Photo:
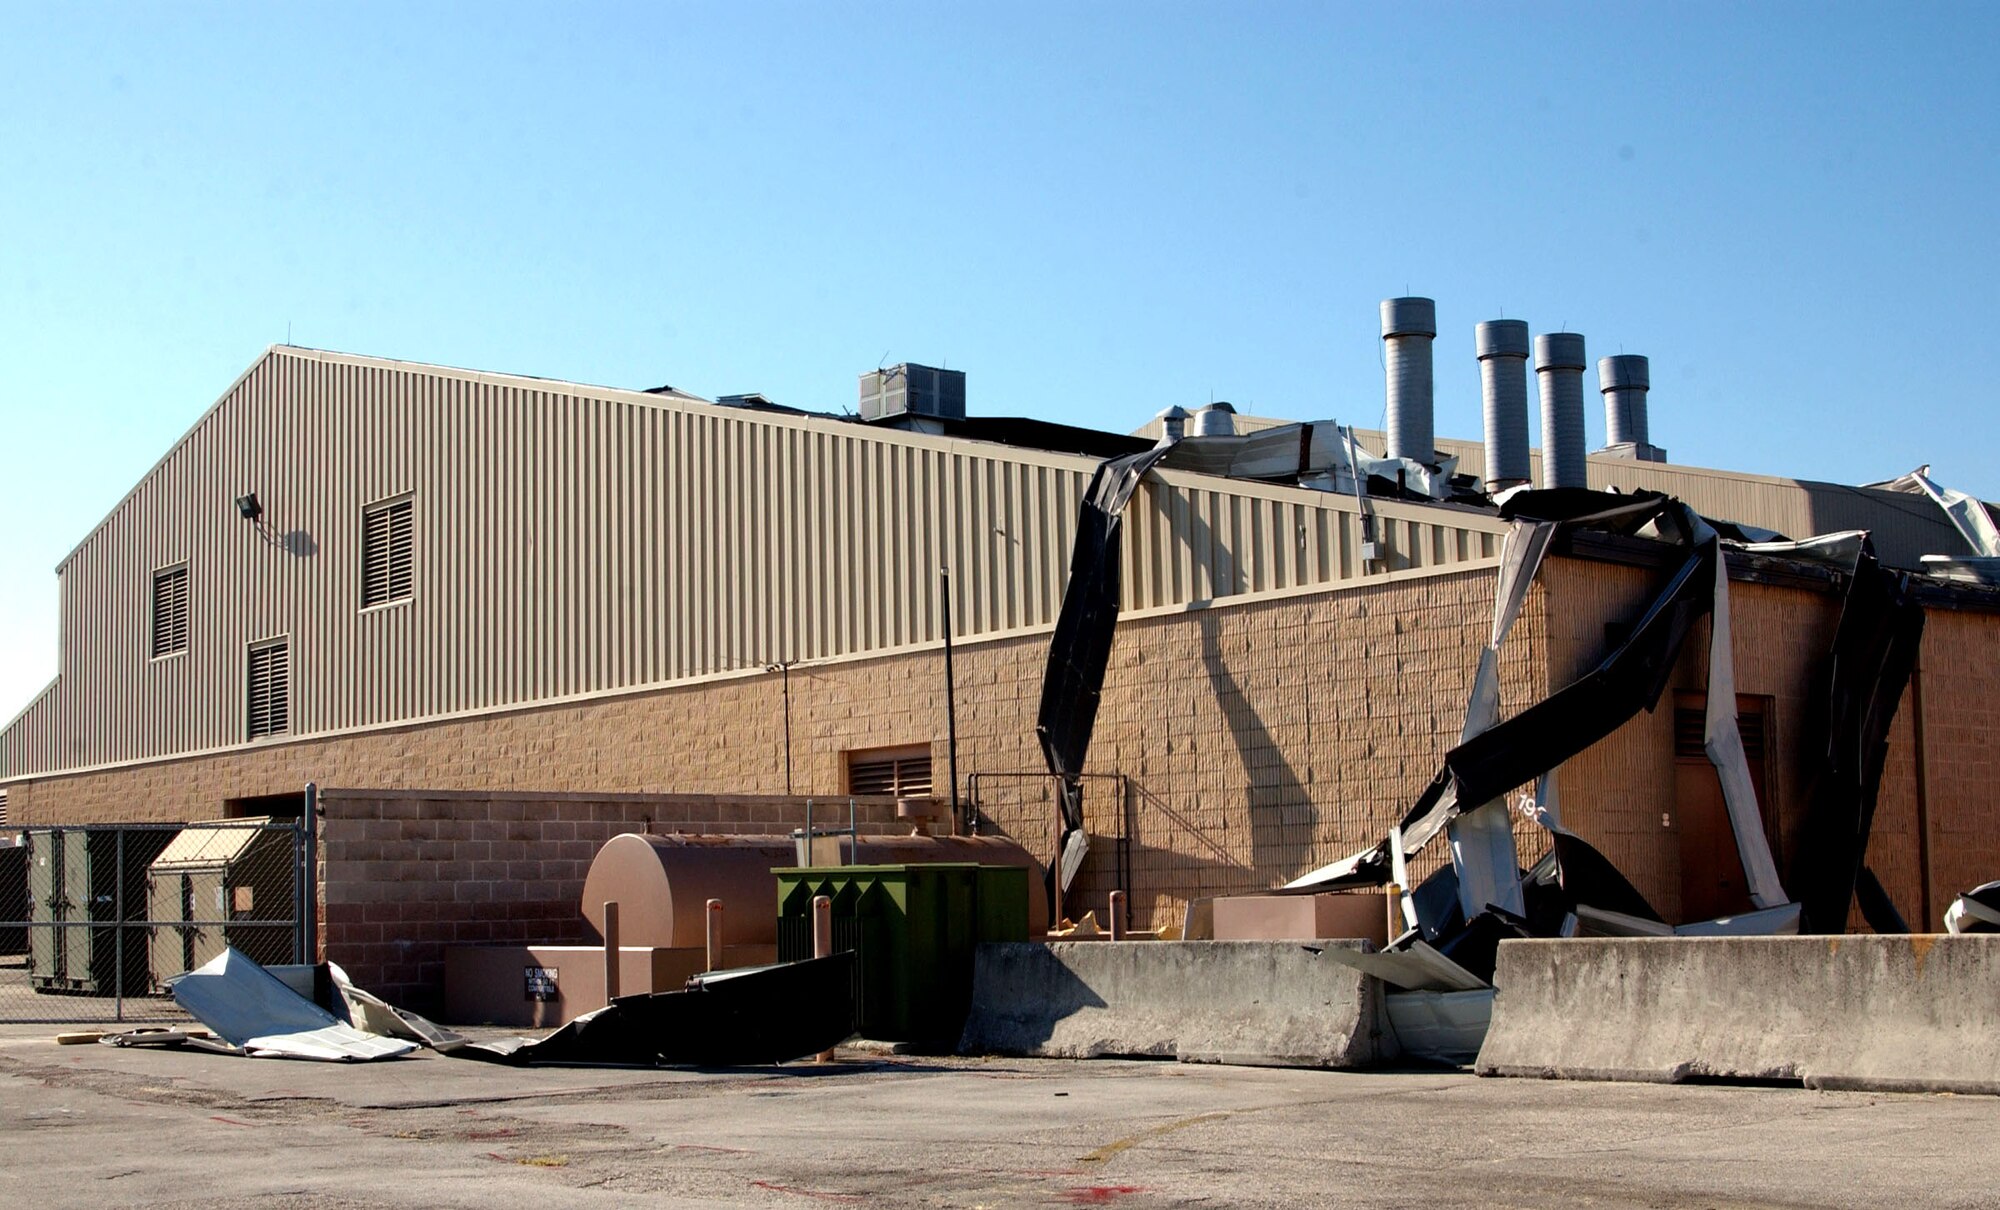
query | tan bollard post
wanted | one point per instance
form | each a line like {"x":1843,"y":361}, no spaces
{"x":610,"y":950}
{"x":1117,"y":914}
{"x":823,"y":942}
{"x":715,"y":934}
{"x":822,"y":927}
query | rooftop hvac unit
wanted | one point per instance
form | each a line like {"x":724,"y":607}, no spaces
{"x":913,"y":390}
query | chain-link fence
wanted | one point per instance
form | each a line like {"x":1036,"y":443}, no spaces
{"x":95,"y":919}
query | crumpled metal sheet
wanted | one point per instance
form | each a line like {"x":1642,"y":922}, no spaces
{"x":1576,"y":716}
{"x":249,"y":1007}
{"x":1976,"y":911}
{"x":1081,"y":646}
{"x":1482,"y":839}
{"x":1414,"y":966}
{"x":754,"y":1015}
{"x":1489,"y":762}
{"x":1967,"y":515}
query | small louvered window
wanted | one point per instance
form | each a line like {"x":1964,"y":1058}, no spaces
{"x":170,"y":610}
{"x":385,"y":553}
{"x":3,"y":808}
{"x":902,"y":772}
{"x":270,"y":688}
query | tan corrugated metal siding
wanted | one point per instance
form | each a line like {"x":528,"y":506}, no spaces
{"x":574,"y":540}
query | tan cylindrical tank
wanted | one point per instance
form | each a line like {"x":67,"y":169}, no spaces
{"x":662,"y":884}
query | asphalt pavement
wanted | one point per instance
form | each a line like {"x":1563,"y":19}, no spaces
{"x":97,"y":1126}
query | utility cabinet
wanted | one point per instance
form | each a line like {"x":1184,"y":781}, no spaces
{"x":13,"y":900}
{"x":217,"y":885}
{"x":82,"y":882}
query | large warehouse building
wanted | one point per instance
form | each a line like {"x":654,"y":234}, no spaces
{"x":420,"y":581}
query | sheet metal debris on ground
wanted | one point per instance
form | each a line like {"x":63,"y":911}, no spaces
{"x":749,"y":1016}
{"x":250,"y":1008}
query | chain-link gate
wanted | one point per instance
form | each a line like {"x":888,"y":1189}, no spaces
{"x":94,"y":919}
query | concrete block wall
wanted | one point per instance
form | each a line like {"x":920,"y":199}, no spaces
{"x":1259,"y":740}
{"x":403,"y":874}
{"x":1263,"y":741}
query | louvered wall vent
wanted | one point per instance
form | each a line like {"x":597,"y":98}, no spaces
{"x":170,"y":610}
{"x":270,"y":688}
{"x":902,"y":772}
{"x":1691,"y":725}
{"x":385,"y":553}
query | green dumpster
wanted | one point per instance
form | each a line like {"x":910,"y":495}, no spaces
{"x":912,"y":929}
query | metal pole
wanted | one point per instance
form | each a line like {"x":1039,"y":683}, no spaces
{"x":1055,"y":867}
{"x":950,"y":702}
{"x":1117,"y":913}
{"x":118,"y":929}
{"x":823,"y":943}
{"x":299,"y":886}
{"x":611,"y":950}
{"x":312,"y":945}
{"x":714,"y":934}
{"x":786,"y":667}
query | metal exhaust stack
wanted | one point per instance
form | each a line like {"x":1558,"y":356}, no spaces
{"x":1408,"y":326}
{"x":1215,"y":420}
{"x":1624,"y":380}
{"x":1559,"y":365}
{"x":1502,"y":346}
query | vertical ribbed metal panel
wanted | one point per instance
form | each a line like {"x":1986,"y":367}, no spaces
{"x":572,"y":540}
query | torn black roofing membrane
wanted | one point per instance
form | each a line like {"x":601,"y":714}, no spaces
{"x":1873,"y":651}
{"x":1081,"y":646}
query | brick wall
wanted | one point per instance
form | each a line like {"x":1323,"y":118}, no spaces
{"x":1958,"y":692}
{"x":1617,"y":793}
{"x":403,"y":874}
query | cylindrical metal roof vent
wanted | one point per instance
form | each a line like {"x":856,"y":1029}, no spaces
{"x":1173,"y":423}
{"x":1624,"y":379}
{"x":1559,"y":365}
{"x":1215,"y":420}
{"x":1502,"y":345}
{"x":1408,"y":326}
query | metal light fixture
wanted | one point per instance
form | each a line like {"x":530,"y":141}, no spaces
{"x":249,"y":506}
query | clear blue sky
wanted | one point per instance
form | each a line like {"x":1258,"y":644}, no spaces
{"x":1096,"y":209}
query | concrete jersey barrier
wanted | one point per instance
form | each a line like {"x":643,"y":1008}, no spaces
{"x":1256,"y":1003}
{"x":1891,"y":1013}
